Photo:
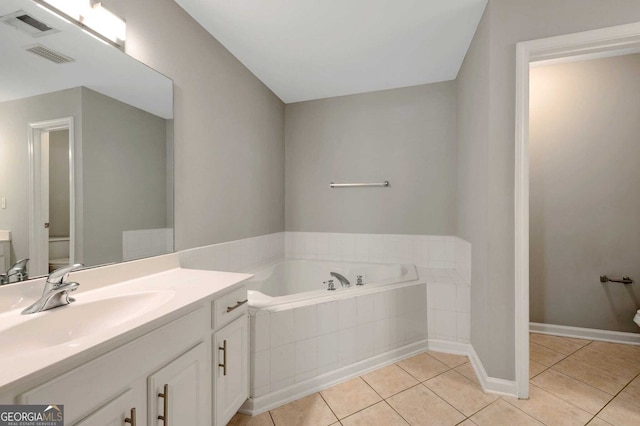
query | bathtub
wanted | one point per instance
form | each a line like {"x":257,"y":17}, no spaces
{"x":304,"y":337}
{"x":294,"y":280}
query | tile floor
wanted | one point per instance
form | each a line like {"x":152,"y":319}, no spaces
{"x":573,"y":382}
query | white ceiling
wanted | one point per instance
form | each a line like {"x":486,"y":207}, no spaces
{"x":98,"y":66}
{"x":311,"y":49}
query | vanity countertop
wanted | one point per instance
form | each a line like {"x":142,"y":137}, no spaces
{"x":122,"y":311}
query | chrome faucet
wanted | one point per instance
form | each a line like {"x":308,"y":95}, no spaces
{"x":343,"y":280}
{"x":56,"y":291}
{"x":17,"y":270}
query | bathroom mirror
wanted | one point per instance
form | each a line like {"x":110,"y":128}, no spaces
{"x":86,"y":146}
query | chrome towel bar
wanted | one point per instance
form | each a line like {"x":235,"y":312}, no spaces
{"x":623,"y":280}
{"x":345,"y":185}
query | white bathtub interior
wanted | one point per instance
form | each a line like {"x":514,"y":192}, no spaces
{"x":297,"y":279}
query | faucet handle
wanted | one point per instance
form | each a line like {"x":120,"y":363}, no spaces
{"x":59,"y":275}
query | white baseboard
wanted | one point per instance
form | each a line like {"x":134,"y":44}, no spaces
{"x":255,"y":406}
{"x":491,"y":384}
{"x":585,"y":333}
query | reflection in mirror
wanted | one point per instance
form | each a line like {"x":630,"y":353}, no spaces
{"x":86,"y":148}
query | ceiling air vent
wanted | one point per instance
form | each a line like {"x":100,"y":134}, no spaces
{"x":49,"y":54}
{"x":28,"y":24}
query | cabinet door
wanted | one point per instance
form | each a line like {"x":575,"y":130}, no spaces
{"x":231,"y":366}
{"x":178,"y":392}
{"x":114,"y":413}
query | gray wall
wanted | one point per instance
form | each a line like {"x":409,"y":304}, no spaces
{"x":584,"y":199}
{"x":472,"y":185}
{"x":14,"y":173}
{"x":124,"y":174}
{"x":59,"y":183}
{"x":229,"y":127}
{"x":508,"y":22}
{"x":406,"y":136}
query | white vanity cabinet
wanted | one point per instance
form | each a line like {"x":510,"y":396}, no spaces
{"x":231,"y":348}
{"x":167,"y":377}
{"x":120,"y":411}
{"x":230,"y":355}
{"x":178,"y":392}
{"x":5,"y":255}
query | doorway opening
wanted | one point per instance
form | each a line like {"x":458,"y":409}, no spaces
{"x":52,"y":227}
{"x":586,"y":45}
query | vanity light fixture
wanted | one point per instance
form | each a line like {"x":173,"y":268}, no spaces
{"x":91,"y":16}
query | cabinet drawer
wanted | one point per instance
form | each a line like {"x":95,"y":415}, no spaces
{"x":229,"y":307}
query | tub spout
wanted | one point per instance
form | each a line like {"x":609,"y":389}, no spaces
{"x":343,"y":280}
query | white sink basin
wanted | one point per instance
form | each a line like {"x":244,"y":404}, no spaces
{"x":65,"y":324}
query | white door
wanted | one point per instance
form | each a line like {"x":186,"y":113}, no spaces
{"x":231,"y":369}
{"x":178,"y":392}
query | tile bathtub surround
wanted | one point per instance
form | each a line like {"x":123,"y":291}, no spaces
{"x":235,"y":256}
{"x":443,"y":262}
{"x":438,"y":388}
{"x":142,"y":243}
{"x":303,"y":342}
{"x":427,"y":251}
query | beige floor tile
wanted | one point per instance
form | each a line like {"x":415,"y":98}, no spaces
{"x":467,"y":422}
{"x":535,"y":368}
{"x":621,"y":413}
{"x":263,"y":419}
{"x":349,"y":397}
{"x":631,"y":353}
{"x":503,"y":413}
{"x":563,"y":345}
{"x":389,"y":380}
{"x":543,"y":355}
{"x":378,"y":414}
{"x":631,"y":393}
{"x":466,"y":396}
{"x":598,"y":422}
{"x":607,"y":362}
{"x":450,"y":360}
{"x":422,"y":366}
{"x":606,"y":381}
{"x":574,"y":391}
{"x":549,"y":409}
{"x":310,"y":410}
{"x":467,"y":371}
{"x":420,"y":406}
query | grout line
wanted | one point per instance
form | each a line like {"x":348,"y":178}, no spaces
{"x":616,"y":395}
{"x":272,"y":419}
{"x":331,"y":409}
{"x":396,"y":411}
{"x":445,"y":401}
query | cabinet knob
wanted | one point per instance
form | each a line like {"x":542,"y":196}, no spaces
{"x":165,"y":402}
{"x":132,"y":418}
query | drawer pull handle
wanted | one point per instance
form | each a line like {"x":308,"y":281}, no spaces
{"x":231,"y":308}
{"x":132,"y":418}
{"x":224,"y":357}
{"x":165,"y":397}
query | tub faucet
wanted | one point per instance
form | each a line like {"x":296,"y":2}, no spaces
{"x":17,"y":270}
{"x":56,"y":291}
{"x":343,"y":280}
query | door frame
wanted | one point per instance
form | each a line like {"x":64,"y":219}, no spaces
{"x":37,"y":248}
{"x":592,"y":44}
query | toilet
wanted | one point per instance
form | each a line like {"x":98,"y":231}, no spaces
{"x":636,"y":319}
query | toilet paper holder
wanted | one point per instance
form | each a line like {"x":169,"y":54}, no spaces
{"x":623,"y":280}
